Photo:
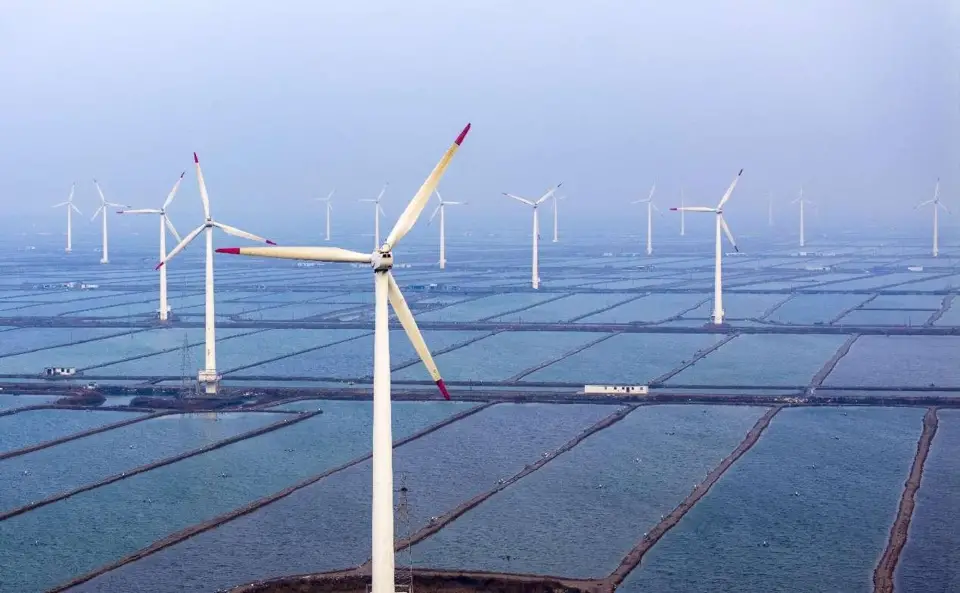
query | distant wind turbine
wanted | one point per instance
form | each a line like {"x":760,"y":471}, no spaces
{"x":165,"y":225}
{"x":556,"y":233}
{"x":937,"y":205}
{"x":683,"y":216}
{"x":801,"y":200}
{"x":441,"y":208}
{"x":717,"y":316}
{"x":329,"y":208}
{"x":536,"y":230}
{"x":102,"y":211}
{"x":70,"y":210}
{"x":650,"y":208}
{"x":377,"y":211}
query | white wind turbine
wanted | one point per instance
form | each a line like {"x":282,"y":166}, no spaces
{"x":800,"y":199}
{"x":937,"y":205}
{"x":386,"y":290}
{"x":683,"y":216}
{"x":536,"y":229}
{"x":377,"y":211}
{"x":329,"y":209}
{"x":165,"y":225}
{"x":650,"y":208}
{"x":556,"y":200}
{"x":208,"y":376}
{"x":441,"y":208}
{"x":718,"y":254}
{"x":102,"y":211}
{"x":70,"y":210}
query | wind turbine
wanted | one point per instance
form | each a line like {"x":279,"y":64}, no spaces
{"x":536,"y":229}
{"x":443,"y":243}
{"x":102,"y":211}
{"x":386,"y":290}
{"x":165,"y":224}
{"x":556,"y":200}
{"x":377,"y":211}
{"x":801,"y":201}
{"x":70,"y":210}
{"x":718,"y":254}
{"x":650,"y":208}
{"x":937,"y":204}
{"x":208,"y":376}
{"x":329,"y":209}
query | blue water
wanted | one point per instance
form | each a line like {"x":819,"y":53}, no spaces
{"x":327,"y":525}
{"x":579,"y":514}
{"x":50,"y":471}
{"x":32,"y":427}
{"x":9,"y":401}
{"x":820,"y":487}
{"x":890,"y":361}
{"x":102,"y":525}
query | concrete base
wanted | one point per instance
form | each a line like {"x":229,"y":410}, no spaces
{"x":209,"y":381}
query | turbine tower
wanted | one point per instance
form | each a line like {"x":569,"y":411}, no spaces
{"x":650,"y":208}
{"x":70,"y":210}
{"x":536,"y":229}
{"x":556,"y":233}
{"x":937,"y":205}
{"x":208,"y":376}
{"x":329,"y":208}
{"x":443,"y":242}
{"x":386,"y":291}
{"x":683,"y":216}
{"x":102,"y":211}
{"x":377,"y":211}
{"x":800,"y":199}
{"x":717,"y":316}
{"x":164,"y":311}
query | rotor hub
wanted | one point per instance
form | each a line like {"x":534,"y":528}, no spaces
{"x":382,"y":261}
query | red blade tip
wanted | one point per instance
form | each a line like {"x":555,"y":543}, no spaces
{"x":184,"y":173}
{"x":195,"y":159}
{"x":230,"y":250}
{"x":160,"y":265}
{"x":443,"y":389}
{"x":462,"y":135}
{"x":269,"y":242}
{"x":674,"y":209}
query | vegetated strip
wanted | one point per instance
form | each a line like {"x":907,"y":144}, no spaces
{"x":78,"y":435}
{"x":633,"y":558}
{"x":167,"y":350}
{"x":883,"y":574}
{"x":696,"y":358}
{"x":72,"y":343}
{"x":450,"y":348}
{"x":849,"y":310}
{"x":455,"y":513}
{"x":831,"y":363}
{"x":944,"y":306}
{"x":162,"y":462}
{"x":557,"y":359}
{"x":605,"y":309}
{"x":524,"y":308}
{"x":199,"y":528}
{"x":297,"y":353}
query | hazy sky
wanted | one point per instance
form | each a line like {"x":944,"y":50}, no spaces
{"x":856,"y":99}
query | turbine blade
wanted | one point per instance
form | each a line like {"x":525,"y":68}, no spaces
{"x":325,"y":254}
{"x":726,"y":231}
{"x":413,"y":333}
{"x":524,"y":200}
{"x":419,"y":201}
{"x":99,"y":191}
{"x":439,"y":197}
{"x":99,"y":210}
{"x":173,"y":231}
{"x":382,"y":191}
{"x":203,"y":188}
{"x":72,"y":187}
{"x":116,"y":205}
{"x":186,"y":241}
{"x":60,"y":204}
{"x":173,"y":192}
{"x":139,"y":211}
{"x":75,"y":209}
{"x":944,"y":206}
{"x":653,"y":188}
{"x":729,"y":193}
{"x":435,"y":213}
{"x":242,"y":234}
{"x":922,"y":204}
{"x":549,"y":193}
{"x":454,"y":203}
{"x":654,"y":206}
{"x":693,"y":209}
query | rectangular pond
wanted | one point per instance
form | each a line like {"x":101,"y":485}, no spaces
{"x":32,"y":427}
{"x":899,"y":361}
